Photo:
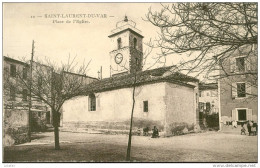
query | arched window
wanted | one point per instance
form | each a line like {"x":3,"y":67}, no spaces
{"x":135,"y":43}
{"x":119,"y":43}
{"x":92,"y":102}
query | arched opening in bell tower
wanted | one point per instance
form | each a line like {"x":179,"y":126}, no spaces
{"x":135,"y":43}
{"x":119,"y":43}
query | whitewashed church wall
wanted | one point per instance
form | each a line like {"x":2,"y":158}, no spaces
{"x":116,"y":105}
{"x":180,"y":104}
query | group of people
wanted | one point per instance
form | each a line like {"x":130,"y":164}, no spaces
{"x":251,"y":127}
{"x":146,"y":130}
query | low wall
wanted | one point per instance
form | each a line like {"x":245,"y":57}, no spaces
{"x":106,"y":127}
{"x":15,"y":126}
{"x":112,"y":127}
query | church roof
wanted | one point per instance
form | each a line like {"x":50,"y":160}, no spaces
{"x":143,"y":77}
{"x":208,"y":86}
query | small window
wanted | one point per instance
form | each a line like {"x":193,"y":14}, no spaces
{"x":24,"y":73}
{"x":145,"y":106}
{"x":25,"y":94}
{"x":208,"y":94}
{"x":135,"y":43}
{"x":119,"y":43}
{"x":13,"y":70}
{"x":240,"y":64}
{"x":92,"y":102}
{"x":241,"y":114}
{"x":12,"y":93}
{"x":241,"y":90}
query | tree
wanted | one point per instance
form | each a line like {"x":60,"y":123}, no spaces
{"x":208,"y":33}
{"x":53,"y":85}
{"x":128,"y":153}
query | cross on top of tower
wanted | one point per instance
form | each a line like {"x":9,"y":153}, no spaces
{"x":125,"y":22}
{"x":126,"y":19}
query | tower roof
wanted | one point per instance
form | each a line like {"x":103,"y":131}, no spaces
{"x":125,"y":25}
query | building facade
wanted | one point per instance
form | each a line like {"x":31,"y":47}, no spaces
{"x":238,"y":88}
{"x":15,"y":102}
{"x":208,"y":98}
{"x":17,"y":77}
{"x":208,"y":105}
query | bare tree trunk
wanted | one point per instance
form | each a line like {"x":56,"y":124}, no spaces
{"x":56,"y":135}
{"x":56,"y":129}
{"x":128,"y":155}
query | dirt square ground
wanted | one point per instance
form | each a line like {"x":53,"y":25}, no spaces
{"x":84,"y":147}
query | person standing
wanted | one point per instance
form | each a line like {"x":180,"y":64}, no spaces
{"x":248,"y":127}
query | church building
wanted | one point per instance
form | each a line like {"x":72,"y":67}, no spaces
{"x":162,"y":96}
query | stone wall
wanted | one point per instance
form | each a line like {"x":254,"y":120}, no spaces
{"x":15,"y":126}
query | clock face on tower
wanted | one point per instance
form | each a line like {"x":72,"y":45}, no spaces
{"x":118,"y":58}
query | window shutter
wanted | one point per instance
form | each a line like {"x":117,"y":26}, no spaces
{"x":249,"y":114}
{"x":234,"y":90}
{"x":232,"y":62}
{"x":253,"y":63}
{"x":248,"y":64}
{"x":248,"y":89}
{"x":234,"y":115}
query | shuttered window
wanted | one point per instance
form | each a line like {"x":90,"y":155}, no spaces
{"x":243,"y":64}
{"x":241,"y":89}
{"x":242,"y":114}
{"x":240,"y":64}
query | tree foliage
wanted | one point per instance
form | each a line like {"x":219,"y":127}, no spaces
{"x":209,"y":33}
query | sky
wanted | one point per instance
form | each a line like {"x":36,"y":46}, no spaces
{"x":25,"y":22}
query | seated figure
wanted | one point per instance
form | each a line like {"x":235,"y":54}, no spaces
{"x":145,"y":131}
{"x":155,"y":132}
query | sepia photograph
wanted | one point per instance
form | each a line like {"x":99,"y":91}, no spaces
{"x":121,"y":82}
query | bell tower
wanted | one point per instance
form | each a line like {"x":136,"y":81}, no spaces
{"x":126,"y":55}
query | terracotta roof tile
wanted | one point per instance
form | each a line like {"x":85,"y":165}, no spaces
{"x":143,"y":77}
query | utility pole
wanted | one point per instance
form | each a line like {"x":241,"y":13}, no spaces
{"x":101,"y":72}
{"x":30,"y":94}
{"x":110,"y":70}
{"x":99,"y":75}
